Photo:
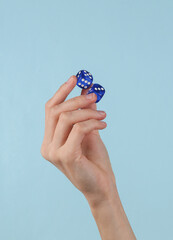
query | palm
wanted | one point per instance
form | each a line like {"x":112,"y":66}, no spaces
{"x":93,"y":164}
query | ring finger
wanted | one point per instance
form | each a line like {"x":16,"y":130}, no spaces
{"x":68,"y":119}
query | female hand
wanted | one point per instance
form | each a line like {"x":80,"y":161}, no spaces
{"x":73,"y":144}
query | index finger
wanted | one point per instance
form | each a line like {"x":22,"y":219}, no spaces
{"x":63,"y":91}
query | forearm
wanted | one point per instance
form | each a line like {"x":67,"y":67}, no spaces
{"x":111,"y":219}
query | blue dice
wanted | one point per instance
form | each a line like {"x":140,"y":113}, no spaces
{"x":98,"y":90}
{"x":84,"y":79}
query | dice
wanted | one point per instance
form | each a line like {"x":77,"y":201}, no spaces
{"x":84,"y":79}
{"x":98,"y":90}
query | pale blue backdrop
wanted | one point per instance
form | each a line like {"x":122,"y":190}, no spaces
{"x":128,"y":47}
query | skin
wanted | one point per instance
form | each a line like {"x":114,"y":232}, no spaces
{"x":72,"y":143}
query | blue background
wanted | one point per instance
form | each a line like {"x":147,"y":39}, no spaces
{"x":128,"y":47}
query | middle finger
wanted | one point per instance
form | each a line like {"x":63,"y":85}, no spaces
{"x":75,"y":103}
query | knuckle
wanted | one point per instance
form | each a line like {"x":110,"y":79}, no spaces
{"x":44,"y":152}
{"x":48,"y":104}
{"x":76,"y":101}
{"x":51,"y":154}
{"x":64,"y":117}
{"x":78,"y":127}
{"x":64,"y":155}
{"x":54,"y":112}
{"x":54,"y":156}
{"x":67,"y":155}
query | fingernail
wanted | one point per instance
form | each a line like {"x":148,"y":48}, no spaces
{"x":69,"y":80}
{"x":104,"y":123}
{"x":90,"y":95}
{"x":101,"y":113}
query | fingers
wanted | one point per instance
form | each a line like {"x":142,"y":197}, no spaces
{"x":63,"y":91}
{"x":80,"y":130}
{"x":53,"y":111}
{"x":92,"y":105}
{"x":75,"y":103}
{"x":59,"y":97}
{"x":68,"y":119}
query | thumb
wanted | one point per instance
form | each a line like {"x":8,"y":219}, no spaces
{"x":92,"y":105}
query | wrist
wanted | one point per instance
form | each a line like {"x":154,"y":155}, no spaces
{"x":111,"y":202}
{"x":108,"y":197}
{"x":111,"y":219}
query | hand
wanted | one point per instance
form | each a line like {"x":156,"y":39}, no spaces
{"x":73,"y":144}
